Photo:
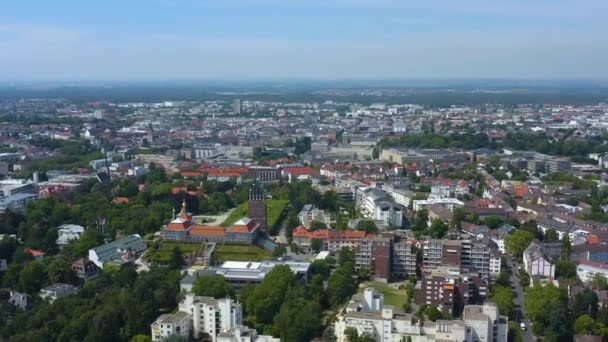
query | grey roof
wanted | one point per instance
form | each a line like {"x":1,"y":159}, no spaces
{"x":113,"y":249}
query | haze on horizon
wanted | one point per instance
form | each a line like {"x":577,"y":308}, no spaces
{"x":302,"y":39}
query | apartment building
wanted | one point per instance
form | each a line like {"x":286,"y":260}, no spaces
{"x":386,"y":258}
{"x":367,"y":314}
{"x":448,"y":289}
{"x":466,"y":255}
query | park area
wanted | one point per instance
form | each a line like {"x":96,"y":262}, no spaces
{"x":240,"y":253}
{"x":392,"y":295}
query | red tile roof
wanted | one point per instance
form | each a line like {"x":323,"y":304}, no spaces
{"x":207,"y":230}
{"x":300,"y":171}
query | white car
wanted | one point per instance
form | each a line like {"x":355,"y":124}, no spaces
{"x":522,"y":325}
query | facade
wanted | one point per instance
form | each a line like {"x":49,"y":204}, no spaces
{"x":386,"y":259}
{"x":67,"y":233}
{"x":257,"y":204}
{"x":586,"y":270}
{"x":177,"y":324}
{"x":377,"y":205}
{"x":85,"y":269}
{"x":537,"y":262}
{"x":465,"y":255}
{"x":367,"y":314}
{"x":57,"y":291}
{"x":119,"y":251}
{"x":448,"y":289}
{"x":559,"y":165}
{"x":333,"y":240}
{"x":211,"y":316}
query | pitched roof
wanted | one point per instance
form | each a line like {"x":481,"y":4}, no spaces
{"x":207,"y":230}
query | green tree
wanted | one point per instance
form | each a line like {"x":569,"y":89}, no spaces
{"x":177,"y":259}
{"x":368,"y":226}
{"x":585,"y":325}
{"x":316,"y":225}
{"x":141,"y":338}
{"x":438,"y":229}
{"x":267,"y":297}
{"x":503,"y":297}
{"x":60,"y":271}
{"x":31,"y":277}
{"x":212,"y":286}
{"x":316,"y":245}
{"x":517,"y":242}
{"x":551,"y":235}
{"x":345,"y":255}
{"x":565,"y":269}
{"x":341,"y":284}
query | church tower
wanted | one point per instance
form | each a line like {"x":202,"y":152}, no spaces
{"x":257,"y":204}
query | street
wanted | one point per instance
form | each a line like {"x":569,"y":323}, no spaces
{"x":518,"y":301}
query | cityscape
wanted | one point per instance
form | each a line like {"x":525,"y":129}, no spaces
{"x":274,"y":173}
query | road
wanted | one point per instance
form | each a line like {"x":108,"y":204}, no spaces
{"x":518,"y":300}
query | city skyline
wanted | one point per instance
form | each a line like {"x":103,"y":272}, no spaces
{"x":269,"y":39}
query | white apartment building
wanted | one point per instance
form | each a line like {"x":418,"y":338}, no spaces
{"x":587,"y":269}
{"x":401,"y":196}
{"x":217,"y":320}
{"x":449,"y":203}
{"x":369,"y":316}
{"x":211,"y":316}
{"x":67,"y":233}
{"x":179,"y":323}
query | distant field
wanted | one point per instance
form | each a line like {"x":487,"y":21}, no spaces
{"x":240,"y":253}
{"x":163,"y":254}
{"x":274,"y":210}
{"x":392,"y":296}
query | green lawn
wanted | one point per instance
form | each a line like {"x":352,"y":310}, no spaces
{"x":237,"y":214}
{"x":392,"y":296}
{"x":163,"y":254}
{"x":240,"y":253}
{"x":274,"y":210}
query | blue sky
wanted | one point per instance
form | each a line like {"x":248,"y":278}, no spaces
{"x":302,"y":39}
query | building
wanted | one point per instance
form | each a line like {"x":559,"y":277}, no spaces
{"x":385,"y":258}
{"x":67,"y":233}
{"x":182,"y":228}
{"x":257,"y":204}
{"x":20,"y":300}
{"x":333,"y":240}
{"x":465,"y":255}
{"x":448,"y":289}
{"x":119,"y":251}
{"x":559,"y":165}
{"x":211,"y":316}
{"x":179,"y":323}
{"x":56,"y":291}
{"x":586,"y":269}
{"x":368,"y":314}
{"x":263,"y":173}
{"x":241,"y":273}
{"x":374,"y":254}
{"x":236,"y":106}
{"x":308,"y":214}
{"x":85,"y":269}
{"x":244,"y":334}
{"x":537,"y":262}
{"x":389,"y":212}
